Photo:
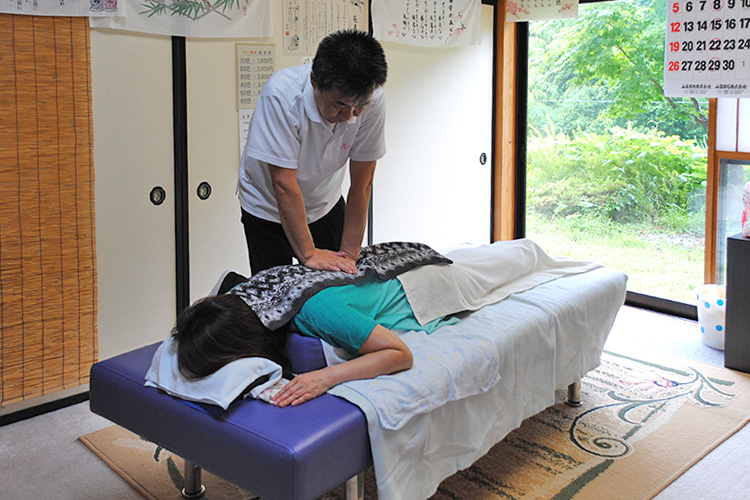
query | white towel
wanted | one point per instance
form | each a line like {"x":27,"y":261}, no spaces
{"x":450,"y":364}
{"x":483,"y":275}
{"x":219,"y":388}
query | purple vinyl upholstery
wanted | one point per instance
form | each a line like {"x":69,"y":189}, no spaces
{"x":293,"y":453}
{"x":305,"y":353}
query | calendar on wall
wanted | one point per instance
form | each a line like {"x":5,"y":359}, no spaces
{"x":707,"y":51}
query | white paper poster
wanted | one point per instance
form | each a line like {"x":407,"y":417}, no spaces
{"x":307,"y":22}
{"x":427,"y":23}
{"x":67,"y":8}
{"x":707,"y":51}
{"x":244,"y":116}
{"x":255,"y":65}
{"x":538,"y":10}
{"x":193,"y":18}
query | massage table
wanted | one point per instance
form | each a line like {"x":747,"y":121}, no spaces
{"x":555,"y":331}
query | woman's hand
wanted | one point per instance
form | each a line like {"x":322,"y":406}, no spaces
{"x":303,"y":388}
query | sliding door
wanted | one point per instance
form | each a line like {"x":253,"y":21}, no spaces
{"x":433,"y":185}
{"x":133,"y":155}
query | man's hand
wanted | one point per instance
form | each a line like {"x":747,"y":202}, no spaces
{"x":327,"y":260}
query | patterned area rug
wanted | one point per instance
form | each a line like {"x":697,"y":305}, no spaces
{"x":641,"y":425}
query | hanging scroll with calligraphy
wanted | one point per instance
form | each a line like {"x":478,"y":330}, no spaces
{"x":538,"y":10}
{"x":427,"y":23}
{"x":193,"y":18}
{"x":65,"y":8}
{"x":307,"y":22}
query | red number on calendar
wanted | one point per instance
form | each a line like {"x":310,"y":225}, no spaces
{"x":675,"y":7}
{"x":674,"y":66}
{"x":675,"y":27}
{"x":674,"y":46}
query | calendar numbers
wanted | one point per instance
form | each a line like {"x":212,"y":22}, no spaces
{"x":707,"y":48}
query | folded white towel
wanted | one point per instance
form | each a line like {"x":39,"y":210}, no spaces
{"x":483,"y":275}
{"x":219,"y":388}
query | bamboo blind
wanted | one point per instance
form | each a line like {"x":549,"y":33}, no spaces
{"x":48,"y":294}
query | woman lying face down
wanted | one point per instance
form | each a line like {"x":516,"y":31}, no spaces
{"x":359,"y":318}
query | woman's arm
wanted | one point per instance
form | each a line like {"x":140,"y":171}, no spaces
{"x":382,"y":353}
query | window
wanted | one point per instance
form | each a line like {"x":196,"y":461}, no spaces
{"x":615,"y":172}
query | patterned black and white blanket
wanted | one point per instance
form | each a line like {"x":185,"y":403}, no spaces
{"x":277,"y":294}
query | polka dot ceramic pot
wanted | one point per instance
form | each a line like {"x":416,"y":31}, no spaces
{"x":712,"y":307}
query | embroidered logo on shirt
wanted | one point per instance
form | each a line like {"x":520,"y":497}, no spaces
{"x":345,"y":145}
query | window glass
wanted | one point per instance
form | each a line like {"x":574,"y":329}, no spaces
{"x":733,"y":175}
{"x":615,"y":171}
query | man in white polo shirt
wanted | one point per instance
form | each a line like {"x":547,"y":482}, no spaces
{"x":309,"y":122}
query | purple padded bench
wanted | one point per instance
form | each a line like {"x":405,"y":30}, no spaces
{"x":276,"y":453}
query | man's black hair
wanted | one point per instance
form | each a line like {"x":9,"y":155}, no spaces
{"x":351,"y":62}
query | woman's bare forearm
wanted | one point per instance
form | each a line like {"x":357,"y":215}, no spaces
{"x":382,"y":353}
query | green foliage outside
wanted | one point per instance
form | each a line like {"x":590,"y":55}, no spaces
{"x":624,"y":176}
{"x":615,"y":171}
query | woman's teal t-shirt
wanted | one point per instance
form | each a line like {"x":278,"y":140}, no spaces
{"x":344,"y":316}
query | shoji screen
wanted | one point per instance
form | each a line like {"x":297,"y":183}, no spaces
{"x":48,"y":294}
{"x":733,"y":125}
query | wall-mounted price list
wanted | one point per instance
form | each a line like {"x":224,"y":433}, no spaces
{"x":255,"y":65}
{"x":707,"y":52}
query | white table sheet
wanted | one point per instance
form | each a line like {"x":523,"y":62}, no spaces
{"x":547,"y":338}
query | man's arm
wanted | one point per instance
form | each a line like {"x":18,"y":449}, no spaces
{"x":357,"y":205}
{"x":294,"y":221}
{"x":381,"y":354}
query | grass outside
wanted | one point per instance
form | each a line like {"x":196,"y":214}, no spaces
{"x":657,"y":263}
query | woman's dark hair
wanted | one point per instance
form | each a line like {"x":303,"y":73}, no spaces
{"x":351,"y":62}
{"x":217,"y":330}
